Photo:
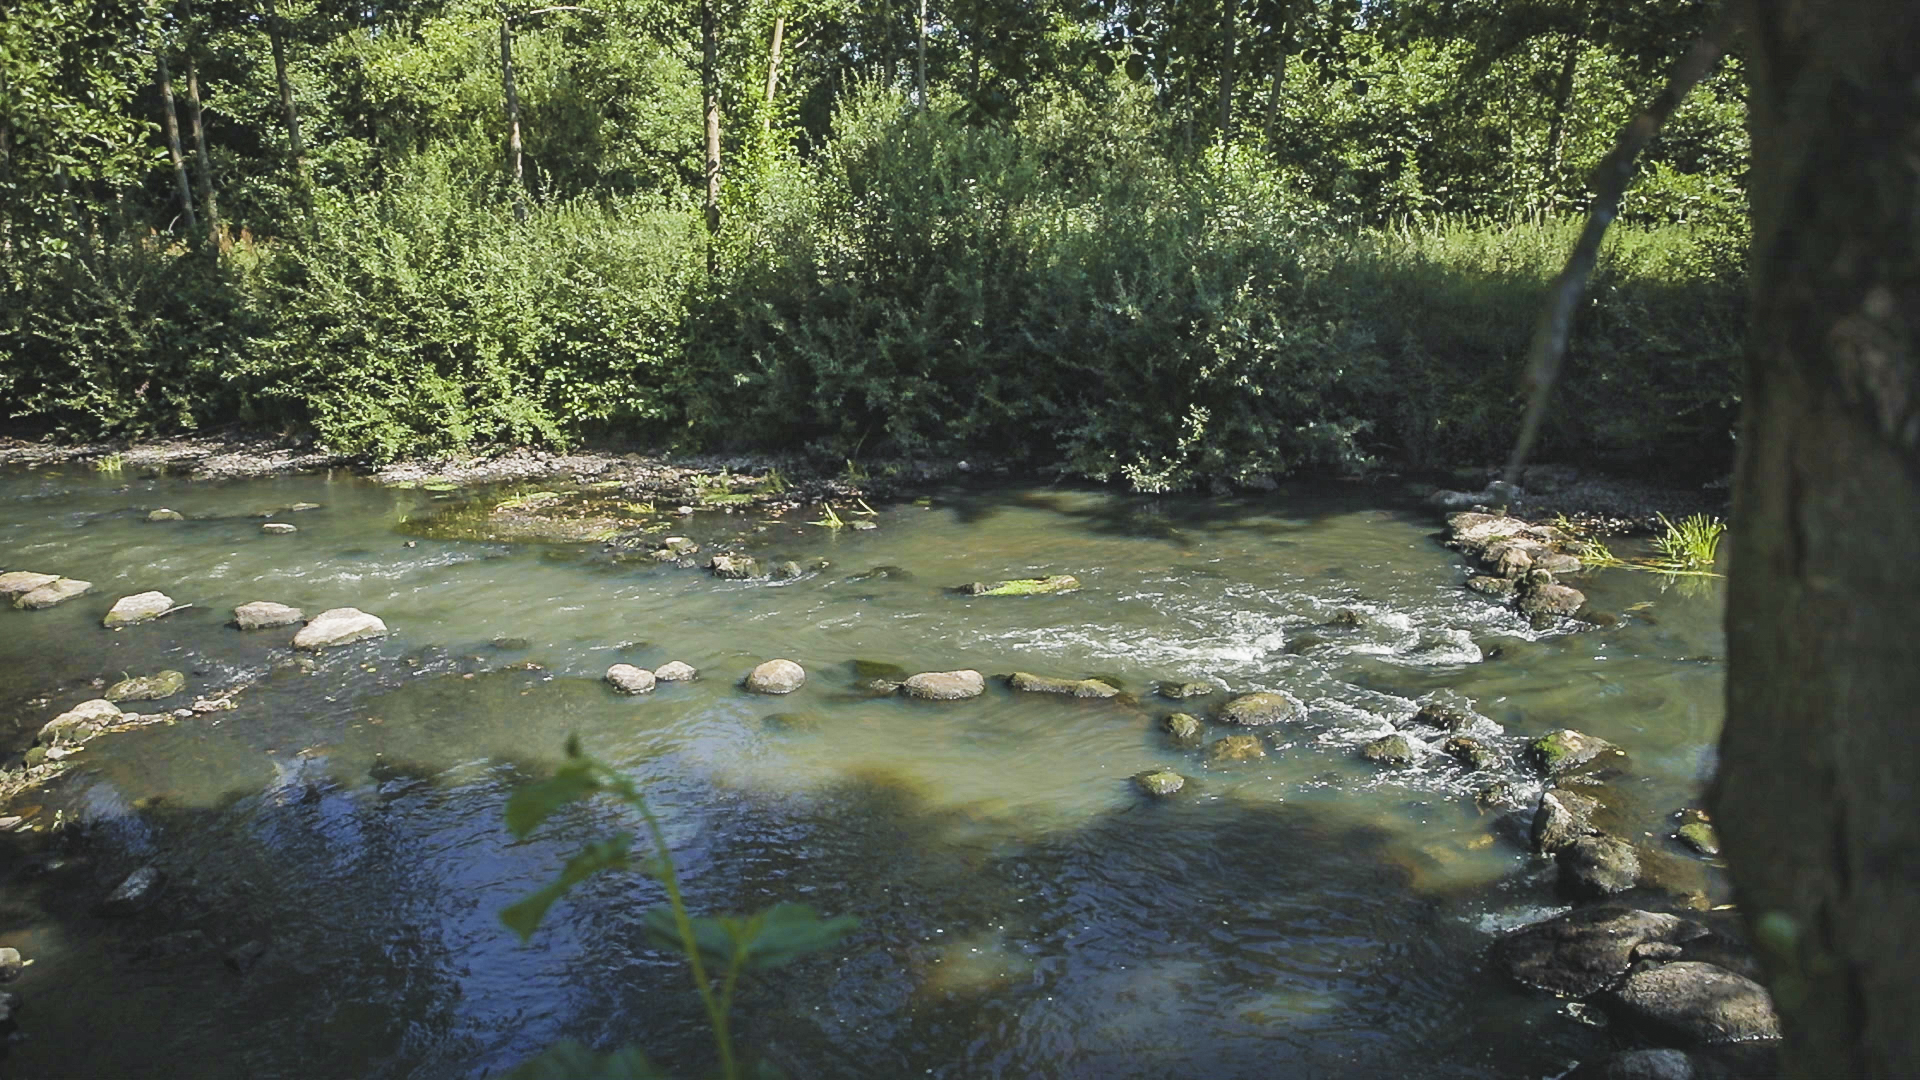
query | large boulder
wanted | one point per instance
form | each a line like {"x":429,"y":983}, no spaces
{"x":1256,"y":709}
{"x":1592,"y":867}
{"x":58,"y":591}
{"x":79,"y":723}
{"x":629,"y":679}
{"x":339,"y":626}
{"x":1551,"y":598}
{"x":18,"y":583}
{"x":137,"y":608}
{"x":1475,"y":533}
{"x":1694,"y":1003}
{"x":945,"y":685}
{"x":148,"y":687}
{"x":1564,"y":750}
{"x":1080,"y":688}
{"x":1589,"y":949}
{"x":265,"y":615}
{"x":776,"y":677}
{"x":1561,"y":817}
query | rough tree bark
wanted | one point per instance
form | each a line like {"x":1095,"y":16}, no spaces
{"x":710,"y":95}
{"x":920,"y":58}
{"x":773,"y":69}
{"x":516,"y":169}
{"x":196,"y":125}
{"x":1818,"y":799}
{"x":1279,"y":74}
{"x":1227,"y":18}
{"x":173,"y":139}
{"x":276,"y":36}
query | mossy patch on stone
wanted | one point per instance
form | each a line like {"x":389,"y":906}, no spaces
{"x":536,"y":516}
{"x":1160,"y":783}
{"x":1042,"y":586}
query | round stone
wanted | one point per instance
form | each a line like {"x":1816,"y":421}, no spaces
{"x":776,"y":677}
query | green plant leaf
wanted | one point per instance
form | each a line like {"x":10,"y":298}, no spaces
{"x":570,"y":1060}
{"x":524,"y":917}
{"x":531,"y":804}
{"x":762,"y":941}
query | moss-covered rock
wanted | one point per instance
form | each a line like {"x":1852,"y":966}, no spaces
{"x":1080,"y":688}
{"x":1471,"y":753}
{"x":733,"y":567}
{"x":944,"y":685}
{"x":1564,"y":750}
{"x":137,"y":608}
{"x":1390,"y":750}
{"x":1041,"y":586}
{"x":1252,"y":710}
{"x":1160,"y":783}
{"x":1236,"y":748}
{"x":1181,"y":691}
{"x":148,"y":687}
{"x":1185,"y":729}
{"x":59,"y":591}
{"x":1592,"y":867}
{"x":1697,"y":833}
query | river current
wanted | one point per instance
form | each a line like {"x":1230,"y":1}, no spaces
{"x":1025,"y":910}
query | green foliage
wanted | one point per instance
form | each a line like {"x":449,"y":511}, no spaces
{"x":717,"y":948}
{"x":1691,"y":545}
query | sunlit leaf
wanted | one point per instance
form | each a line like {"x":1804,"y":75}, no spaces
{"x":531,"y":804}
{"x":766,"y":940}
{"x":570,"y":1060}
{"x":524,"y":917}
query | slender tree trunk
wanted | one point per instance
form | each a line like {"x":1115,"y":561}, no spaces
{"x":1227,"y":19}
{"x":773,"y":69}
{"x":196,"y":127}
{"x":173,"y":141}
{"x":1557,"y":128}
{"x":276,"y":35}
{"x":1279,"y":75}
{"x":1818,"y":800}
{"x":515,"y":166}
{"x":710,"y":93}
{"x":920,"y":58}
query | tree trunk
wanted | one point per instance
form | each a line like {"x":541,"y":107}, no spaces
{"x":1279,"y":75}
{"x":1818,"y":800}
{"x":1227,"y":18}
{"x":516,"y":172}
{"x":1557,"y":127}
{"x":173,"y":141}
{"x":197,"y":129}
{"x":920,"y":58}
{"x":276,"y":35}
{"x":773,"y":69}
{"x":710,"y":93}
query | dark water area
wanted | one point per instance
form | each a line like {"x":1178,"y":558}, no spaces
{"x":1026,"y":912}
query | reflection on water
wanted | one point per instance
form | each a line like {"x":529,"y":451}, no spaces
{"x":1025,"y":912}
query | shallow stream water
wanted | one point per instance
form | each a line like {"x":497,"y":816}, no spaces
{"x":1026,"y":912}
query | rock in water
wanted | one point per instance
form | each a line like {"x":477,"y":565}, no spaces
{"x":278,"y":528}
{"x":1185,"y":729}
{"x":265,"y":614}
{"x":137,"y":892}
{"x":1561,"y":818}
{"x":1565,"y":750}
{"x":945,"y":685}
{"x":733,"y":567}
{"x":1595,"y":866}
{"x":79,"y":723}
{"x":1255,"y":709}
{"x":1080,"y":688}
{"x":776,"y":677}
{"x":1471,"y":753}
{"x":164,"y":514}
{"x":674,"y":671}
{"x":17,"y":583}
{"x":11,"y":965}
{"x":1551,"y":598}
{"x":1640,"y":1065}
{"x":58,"y":592}
{"x":1236,"y":748}
{"x":137,"y":608}
{"x":339,"y":626}
{"x":1160,"y":782}
{"x":1389,"y":750}
{"x":629,"y":679}
{"x":1588,"y":949}
{"x":1185,"y":690}
{"x":148,"y":687}
{"x":1058,"y":583}
{"x":1695,"y":1003}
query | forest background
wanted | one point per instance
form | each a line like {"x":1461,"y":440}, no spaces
{"x":1164,"y":241}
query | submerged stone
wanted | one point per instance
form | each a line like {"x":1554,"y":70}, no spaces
{"x":148,"y":687}
{"x":135,"y":893}
{"x":1471,"y":753}
{"x":1236,"y":748}
{"x":1185,"y":729}
{"x":945,"y":685}
{"x":1390,"y":750}
{"x":1699,"y":836}
{"x":339,"y":626}
{"x":1256,"y":709}
{"x":1058,"y":583}
{"x":776,"y":677}
{"x":1185,"y":690}
{"x":1587,"y":949}
{"x":1160,"y":782}
{"x":137,"y":608}
{"x":1080,"y":688}
{"x":265,"y":615}
{"x":164,"y":514}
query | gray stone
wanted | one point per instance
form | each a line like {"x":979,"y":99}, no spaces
{"x":1471,"y":753}
{"x":1695,"y":1003}
{"x":1487,"y":585}
{"x":1185,"y":729}
{"x":733,"y":567}
{"x":776,"y":677}
{"x":1561,"y":818}
{"x":79,"y":723}
{"x":787,"y":571}
{"x":1256,"y":709}
{"x":17,"y":583}
{"x":164,"y":514}
{"x":1236,"y":748}
{"x":945,"y":685}
{"x":339,"y":626}
{"x":265,"y":615}
{"x":1444,"y":715}
{"x":242,"y":957}
{"x":1390,"y":750}
{"x":46,"y":596}
{"x":1477,"y":532}
{"x":1558,"y":562}
{"x":1587,"y":949}
{"x":278,"y":528}
{"x":1639,"y":1065}
{"x":11,"y":965}
{"x":1185,"y":690}
{"x":1160,"y":782}
{"x":1551,"y":598}
{"x":675,"y":671}
{"x":1564,"y":750}
{"x":629,"y":679}
{"x":135,"y":893}
{"x":137,"y":608}
{"x":148,"y":687}
{"x":1597,"y":866}
{"x":1080,"y":688}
